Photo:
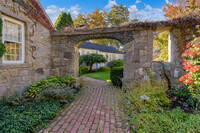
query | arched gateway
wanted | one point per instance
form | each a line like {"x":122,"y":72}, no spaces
{"x":137,"y":39}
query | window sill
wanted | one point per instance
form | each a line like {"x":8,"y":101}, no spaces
{"x":10,"y":66}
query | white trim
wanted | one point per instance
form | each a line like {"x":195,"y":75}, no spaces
{"x":22,"y":41}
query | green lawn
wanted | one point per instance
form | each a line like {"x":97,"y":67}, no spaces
{"x":99,"y":75}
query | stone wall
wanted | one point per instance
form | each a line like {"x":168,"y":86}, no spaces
{"x":65,"y":58}
{"x":138,"y":56}
{"x":173,"y":71}
{"x":37,"y":53}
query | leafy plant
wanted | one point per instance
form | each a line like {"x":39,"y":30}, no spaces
{"x":156,"y":93}
{"x":175,"y":121}
{"x":34,"y":89}
{"x":154,"y":115}
{"x":27,"y":117}
{"x":83,"y":70}
{"x":90,"y":59}
{"x":192,"y":68}
{"x":116,"y":63}
{"x":61,"y":93}
{"x":184,"y":94}
{"x":2,"y":46}
{"x":116,"y":75}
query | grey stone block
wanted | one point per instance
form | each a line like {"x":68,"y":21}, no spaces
{"x":60,"y":47}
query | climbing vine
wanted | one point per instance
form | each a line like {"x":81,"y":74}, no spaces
{"x":184,"y":36}
{"x":2,"y":46}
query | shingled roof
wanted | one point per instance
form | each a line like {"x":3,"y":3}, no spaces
{"x":101,"y":48}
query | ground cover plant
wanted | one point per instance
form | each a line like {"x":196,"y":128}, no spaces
{"x":148,"y":108}
{"x":41,"y":102}
{"x":99,"y":75}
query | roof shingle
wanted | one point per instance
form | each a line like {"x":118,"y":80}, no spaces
{"x":102,"y":48}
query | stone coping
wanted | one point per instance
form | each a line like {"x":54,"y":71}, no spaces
{"x":10,"y":66}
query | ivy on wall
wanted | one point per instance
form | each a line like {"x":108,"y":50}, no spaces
{"x":2,"y":46}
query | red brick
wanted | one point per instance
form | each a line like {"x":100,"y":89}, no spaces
{"x":55,"y":128}
{"x":61,"y":131}
{"x":94,"y":109}
{"x":69,"y":128}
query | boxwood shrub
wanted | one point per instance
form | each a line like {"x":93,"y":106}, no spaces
{"x":116,"y":75}
{"x":83,"y":70}
{"x":116,"y":63}
{"x":103,"y":69}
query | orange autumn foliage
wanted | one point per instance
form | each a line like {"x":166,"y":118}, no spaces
{"x":179,"y":8}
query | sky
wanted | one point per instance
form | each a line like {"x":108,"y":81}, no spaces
{"x":141,"y":9}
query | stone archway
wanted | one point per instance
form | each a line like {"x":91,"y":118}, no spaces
{"x":138,"y":48}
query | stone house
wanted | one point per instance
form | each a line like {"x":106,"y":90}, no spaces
{"x":26,"y":34}
{"x":110,"y":53}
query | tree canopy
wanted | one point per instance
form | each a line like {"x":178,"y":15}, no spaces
{"x":63,"y":20}
{"x":118,"y":15}
{"x":160,"y":44}
{"x":81,"y":19}
{"x":97,"y":19}
{"x":90,"y":59}
{"x":180,"y":8}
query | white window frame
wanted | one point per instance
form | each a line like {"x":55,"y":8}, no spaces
{"x":22,"y":41}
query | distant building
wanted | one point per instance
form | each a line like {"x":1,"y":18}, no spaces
{"x":110,"y":53}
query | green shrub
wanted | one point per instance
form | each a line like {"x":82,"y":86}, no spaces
{"x":2,"y":46}
{"x":155,"y":115}
{"x":156,"y":93}
{"x":116,"y":63}
{"x":83,"y":70}
{"x":2,"y":49}
{"x":15,"y":99}
{"x":103,"y":69}
{"x":62,"y":93}
{"x":116,"y":75}
{"x":25,"y":119}
{"x":90,"y":59}
{"x":184,"y":94}
{"x":34,"y":89}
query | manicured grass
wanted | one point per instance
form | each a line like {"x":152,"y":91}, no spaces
{"x":99,"y":75}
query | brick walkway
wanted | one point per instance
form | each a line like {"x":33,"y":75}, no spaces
{"x":96,"y":110}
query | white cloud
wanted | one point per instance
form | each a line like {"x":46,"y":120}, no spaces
{"x":110,"y":4}
{"x":74,"y":10}
{"x":167,"y":1}
{"x":138,"y":1}
{"x":148,"y":13}
{"x":53,"y":11}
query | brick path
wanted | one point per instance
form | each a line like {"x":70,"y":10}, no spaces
{"x":96,"y":110}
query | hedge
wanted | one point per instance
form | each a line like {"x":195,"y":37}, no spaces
{"x":83,"y":70}
{"x":103,"y":69}
{"x":116,"y":75}
{"x":116,"y":63}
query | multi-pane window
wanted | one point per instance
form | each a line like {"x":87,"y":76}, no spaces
{"x":13,"y":38}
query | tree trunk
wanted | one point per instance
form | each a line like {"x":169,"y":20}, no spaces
{"x":90,"y":69}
